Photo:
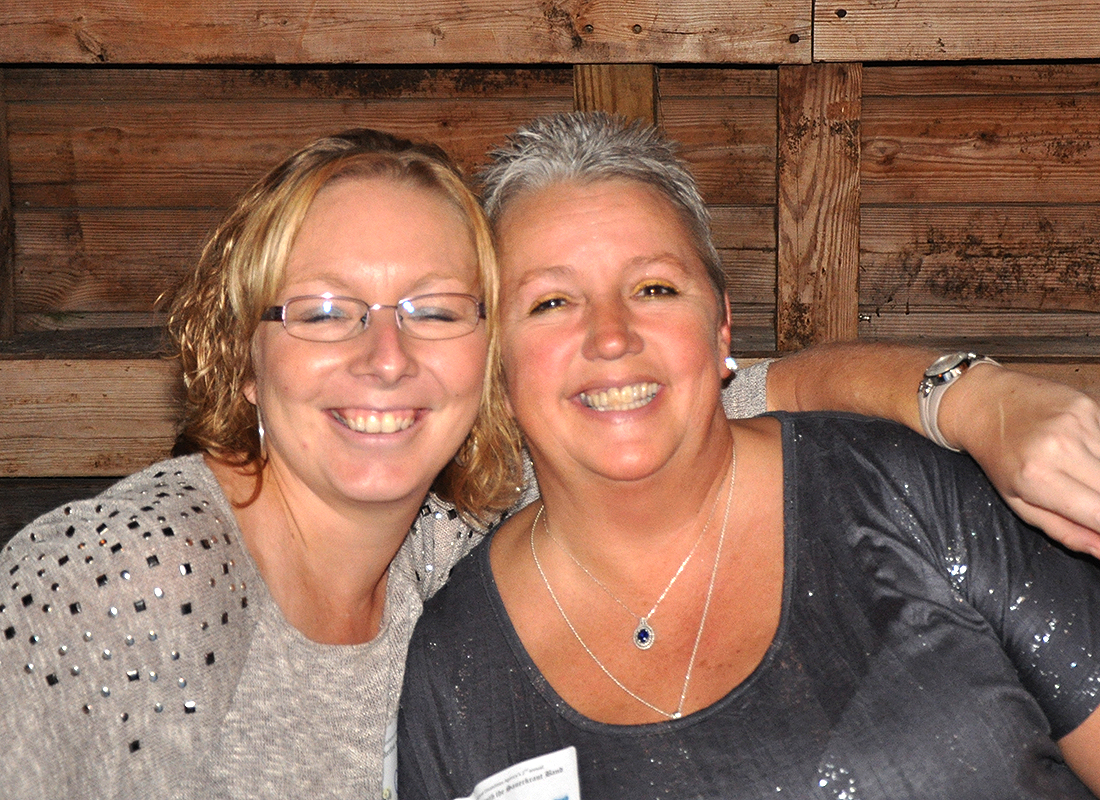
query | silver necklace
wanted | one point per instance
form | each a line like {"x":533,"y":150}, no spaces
{"x":644,"y":636}
{"x":679,"y":712}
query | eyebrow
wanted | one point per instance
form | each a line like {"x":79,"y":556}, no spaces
{"x":666,"y":258}
{"x":343,"y":286}
{"x":533,"y":274}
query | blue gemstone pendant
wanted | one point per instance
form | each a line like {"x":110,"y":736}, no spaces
{"x":644,"y":636}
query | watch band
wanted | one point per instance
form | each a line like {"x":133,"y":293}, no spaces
{"x":937,"y":379}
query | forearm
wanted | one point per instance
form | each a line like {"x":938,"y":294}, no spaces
{"x":879,"y":380}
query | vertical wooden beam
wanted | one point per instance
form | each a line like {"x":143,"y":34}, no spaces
{"x":7,"y":226}
{"x":817,"y":219}
{"x":629,"y":90}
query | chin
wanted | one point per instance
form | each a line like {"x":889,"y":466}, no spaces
{"x":629,"y":469}
{"x":383,"y":488}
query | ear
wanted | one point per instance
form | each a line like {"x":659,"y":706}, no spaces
{"x":725,"y":338}
{"x":249,"y":390}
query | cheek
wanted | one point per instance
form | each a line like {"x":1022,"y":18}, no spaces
{"x":287,"y":370}
{"x":462,"y":366}
{"x":535,"y":365}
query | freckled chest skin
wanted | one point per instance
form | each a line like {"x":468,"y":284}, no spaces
{"x":380,"y":241}
{"x":601,"y":288}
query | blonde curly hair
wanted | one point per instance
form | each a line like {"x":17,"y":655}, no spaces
{"x":217,"y":310}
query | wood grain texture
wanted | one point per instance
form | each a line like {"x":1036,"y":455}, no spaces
{"x":956,"y":30}
{"x":389,"y":32}
{"x":223,"y":83}
{"x":626,"y":90}
{"x":986,"y":149}
{"x":1036,"y":257}
{"x":705,"y":81}
{"x":7,"y":224}
{"x":83,"y":418}
{"x":729,"y":143}
{"x":87,"y":343}
{"x":817,"y":204}
{"x":106,"y":259}
{"x":191,"y":153}
{"x":899,"y":80}
{"x":1050,"y":335}
{"x":22,"y":500}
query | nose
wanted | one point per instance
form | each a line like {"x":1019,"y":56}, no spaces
{"x":610,"y":333}
{"x":382,"y":351}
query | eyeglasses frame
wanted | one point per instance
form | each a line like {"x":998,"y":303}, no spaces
{"x":278,"y":314}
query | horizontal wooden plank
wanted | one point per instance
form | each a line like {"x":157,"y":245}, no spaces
{"x":981,"y":149}
{"x":109,"y":418}
{"x":956,"y":30}
{"x":189,"y":83}
{"x":22,"y":500}
{"x":99,"y":417}
{"x":389,"y":32}
{"x":706,"y":81}
{"x":193,"y":154}
{"x":68,"y":418}
{"x":981,"y":257}
{"x":743,"y":227}
{"x":894,"y":80}
{"x":93,"y":264}
{"x":202,"y":155}
{"x":1019,"y":333}
{"x":86,"y":343}
{"x":729,"y":144}
{"x":76,"y":321}
{"x":105,"y":260}
{"x":752,"y":329}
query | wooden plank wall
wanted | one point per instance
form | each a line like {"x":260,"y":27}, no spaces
{"x":395,"y":32}
{"x":981,"y":207}
{"x":937,"y":199}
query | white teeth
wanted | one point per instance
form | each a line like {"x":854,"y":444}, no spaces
{"x":385,"y":422}
{"x":624,"y":398}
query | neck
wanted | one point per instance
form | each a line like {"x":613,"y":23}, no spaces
{"x":325,"y":567}
{"x":607,"y":522}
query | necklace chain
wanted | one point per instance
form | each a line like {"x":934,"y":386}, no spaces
{"x":702,"y":620}
{"x":643,"y":636}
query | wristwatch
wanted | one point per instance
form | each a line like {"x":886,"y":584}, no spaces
{"x":937,"y":379}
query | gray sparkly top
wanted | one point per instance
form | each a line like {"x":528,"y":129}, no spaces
{"x":930,"y":645}
{"x":141,"y":655}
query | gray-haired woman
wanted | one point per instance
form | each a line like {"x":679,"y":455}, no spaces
{"x":808,"y":605}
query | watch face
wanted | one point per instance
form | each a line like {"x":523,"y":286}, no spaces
{"x":946,"y":364}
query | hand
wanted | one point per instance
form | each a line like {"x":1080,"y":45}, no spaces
{"x":1039,"y":443}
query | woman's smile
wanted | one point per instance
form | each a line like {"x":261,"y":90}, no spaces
{"x":323,"y":401}
{"x":620,"y":398}
{"x":371,"y":421}
{"x":612,"y":337}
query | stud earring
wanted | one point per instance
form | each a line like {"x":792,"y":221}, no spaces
{"x":731,"y":363}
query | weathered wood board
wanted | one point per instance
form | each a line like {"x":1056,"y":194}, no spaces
{"x":89,"y":417}
{"x":390,"y":32}
{"x":955,"y":30}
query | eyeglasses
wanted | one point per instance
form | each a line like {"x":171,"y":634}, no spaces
{"x":328,"y":318}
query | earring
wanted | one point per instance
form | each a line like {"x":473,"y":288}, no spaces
{"x":260,"y":431}
{"x":731,"y":364}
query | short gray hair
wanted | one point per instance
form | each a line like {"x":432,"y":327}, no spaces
{"x":589,"y":146}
